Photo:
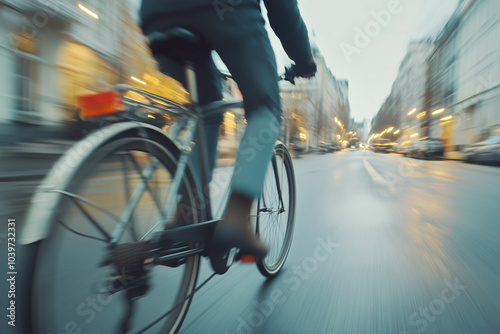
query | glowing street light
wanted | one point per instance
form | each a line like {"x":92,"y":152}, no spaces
{"x":446,"y":118}
{"x":397,"y":131}
{"x":88,"y":11}
{"x":414,"y":135}
{"x":422,"y":114}
{"x":338,"y":136}
{"x":412,"y":111}
{"x":138,"y":80}
{"x":390,"y":129}
{"x":435,"y":112}
{"x":303,"y":136}
{"x":336,"y":120}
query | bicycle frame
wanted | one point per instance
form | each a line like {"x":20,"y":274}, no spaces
{"x":191,"y":118}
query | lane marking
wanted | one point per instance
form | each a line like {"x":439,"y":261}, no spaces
{"x":376,"y":177}
{"x":338,"y":174}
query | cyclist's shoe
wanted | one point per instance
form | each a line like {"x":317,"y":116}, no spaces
{"x":231,"y":234}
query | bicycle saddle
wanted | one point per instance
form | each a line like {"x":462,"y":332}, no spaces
{"x":178,"y":44}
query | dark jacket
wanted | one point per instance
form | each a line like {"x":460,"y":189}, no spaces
{"x":284,"y":17}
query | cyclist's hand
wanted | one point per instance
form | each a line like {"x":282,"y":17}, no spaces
{"x":307,"y":70}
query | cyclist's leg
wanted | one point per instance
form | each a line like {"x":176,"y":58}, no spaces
{"x":247,"y":52}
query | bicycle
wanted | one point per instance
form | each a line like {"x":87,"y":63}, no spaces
{"x":109,"y":209}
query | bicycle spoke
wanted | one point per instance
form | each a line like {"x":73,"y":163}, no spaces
{"x":92,"y":220}
{"x":80,"y":234}
{"x":89,"y":202}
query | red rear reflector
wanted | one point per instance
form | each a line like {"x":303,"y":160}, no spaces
{"x":103,"y":103}
{"x":247,"y":258}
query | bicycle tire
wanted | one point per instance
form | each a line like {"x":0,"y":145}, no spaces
{"x":273,"y":215}
{"x":44,"y":284}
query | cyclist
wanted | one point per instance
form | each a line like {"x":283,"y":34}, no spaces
{"x":235,"y":30}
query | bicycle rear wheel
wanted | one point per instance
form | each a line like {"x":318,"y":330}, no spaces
{"x":124,"y":177}
{"x":276,"y":212}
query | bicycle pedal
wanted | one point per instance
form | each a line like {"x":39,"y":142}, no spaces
{"x":247,"y":258}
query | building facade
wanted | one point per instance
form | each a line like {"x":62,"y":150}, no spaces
{"x":53,"y":51}
{"x":316,"y":110}
{"x":454,"y":92}
{"x":465,"y":78}
{"x":405,"y":107}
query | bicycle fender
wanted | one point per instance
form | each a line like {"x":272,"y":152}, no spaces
{"x":43,"y":206}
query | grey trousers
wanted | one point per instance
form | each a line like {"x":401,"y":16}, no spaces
{"x":242,"y":42}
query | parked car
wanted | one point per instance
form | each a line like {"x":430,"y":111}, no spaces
{"x":486,"y":151}
{"x":403,"y":149}
{"x":382,"y":145}
{"x":323,"y":147}
{"x":427,"y":148}
{"x":333,"y":147}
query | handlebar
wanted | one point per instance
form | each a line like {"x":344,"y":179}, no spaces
{"x":290,"y":74}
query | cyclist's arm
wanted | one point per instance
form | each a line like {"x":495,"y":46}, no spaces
{"x":285,"y":19}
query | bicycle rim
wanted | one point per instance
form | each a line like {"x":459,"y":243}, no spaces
{"x":275,"y":218}
{"x":69,"y":284}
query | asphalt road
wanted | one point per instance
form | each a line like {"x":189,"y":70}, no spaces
{"x":382,"y":244}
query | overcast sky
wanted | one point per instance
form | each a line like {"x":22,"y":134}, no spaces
{"x":370,"y":69}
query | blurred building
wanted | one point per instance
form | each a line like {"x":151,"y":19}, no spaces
{"x":405,"y":107}
{"x":53,"y":51}
{"x":450,"y":89}
{"x":465,"y":75}
{"x":361,"y":129}
{"x":317,"y":109}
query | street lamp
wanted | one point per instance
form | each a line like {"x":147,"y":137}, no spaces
{"x":88,"y":11}
{"x":138,"y":80}
{"x":412,"y":111}
{"x":422,"y":114}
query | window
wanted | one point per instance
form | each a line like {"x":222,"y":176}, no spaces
{"x":24,"y":84}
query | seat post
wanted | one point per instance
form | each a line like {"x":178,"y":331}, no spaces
{"x":191,"y":82}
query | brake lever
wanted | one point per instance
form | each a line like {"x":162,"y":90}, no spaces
{"x":290,"y":74}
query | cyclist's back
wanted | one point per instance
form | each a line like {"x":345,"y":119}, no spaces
{"x":236,"y":31}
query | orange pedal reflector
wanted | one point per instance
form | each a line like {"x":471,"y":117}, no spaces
{"x":103,"y":103}
{"x":247,"y":258}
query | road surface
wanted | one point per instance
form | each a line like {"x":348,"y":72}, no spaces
{"x":382,"y":244}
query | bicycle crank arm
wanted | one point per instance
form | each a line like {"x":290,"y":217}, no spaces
{"x":202,"y":232}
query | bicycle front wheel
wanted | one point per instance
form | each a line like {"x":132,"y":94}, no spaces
{"x":118,"y":192}
{"x":276,"y":212}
